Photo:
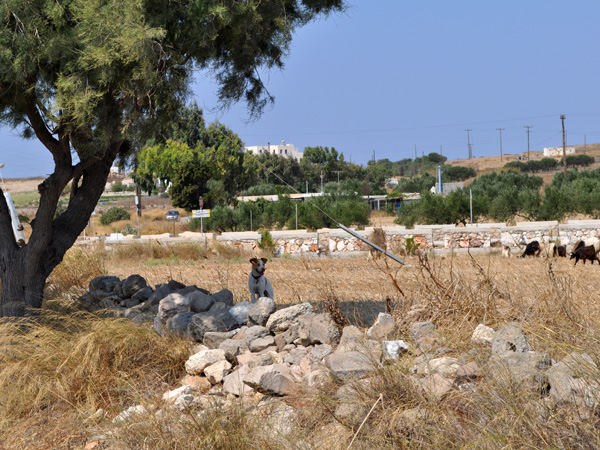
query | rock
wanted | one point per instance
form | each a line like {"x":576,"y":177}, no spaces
{"x":217,"y":371}
{"x":158,"y":326}
{"x":260,"y":344}
{"x":187,"y":290}
{"x":179,"y":323}
{"x":219,"y":320}
{"x":132,"y":284}
{"x":129,"y":413}
{"x":482,"y":335}
{"x":105,"y":283}
{"x":199,"y":301}
{"x":171,"y":396}
{"x":351,"y":336}
{"x":445,"y":366}
{"x":184,"y":402}
{"x":171,"y":305}
{"x":175,"y":285}
{"x":218,"y":306}
{"x":196,"y":363}
{"x":349,"y":411}
{"x":224,"y":296}
{"x":393,"y":349}
{"x":426,"y":336}
{"x":158,"y":295}
{"x":574,"y":380}
{"x":213,"y":339}
{"x":296,"y":355}
{"x":315,"y":379}
{"x":437,"y":385}
{"x":383,"y":325}
{"x":233,"y":348}
{"x":522,"y":368}
{"x":286,"y":338}
{"x":129,"y":303}
{"x":275,"y":379}
{"x":254,"y":359}
{"x":284,"y":318}
{"x":348,"y":364}
{"x":143,"y":294}
{"x":255,"y":332}
{"x":240,"y":312}
{"x":510,"y":338}
{"x":234,"y":382}
{"x":197,"y":383}
{"x":261,"y":311}
{"x":468,"y":372}
{"x":317,"y":329}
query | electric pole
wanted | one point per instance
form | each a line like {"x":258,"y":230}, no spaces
{"x":322,"y":179}
{"x":500,"y":130}
{"x":528,"y":127}
{"x":562,"y":118}
{"x":469,"y":141}
{"x":338,"y":174}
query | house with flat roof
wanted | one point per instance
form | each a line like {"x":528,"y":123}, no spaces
{"x":283,"y":149}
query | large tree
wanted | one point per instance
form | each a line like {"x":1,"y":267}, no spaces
{"x":87,"y":78}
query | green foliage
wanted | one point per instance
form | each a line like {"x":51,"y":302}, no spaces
{"x":113,"y":215}
{"x":411,"y":246}
{"x":266,"y":242}
{"x":117,"y":187}
{"x":457,"y":173}
{"x":579,"y":160}
{"x":267,"y":189}
{"x":23,"y":218}
{"x":420,"y":184}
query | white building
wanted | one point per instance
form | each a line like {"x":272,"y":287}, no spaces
{"x":558,"y":151}
{"x":283,"y":149}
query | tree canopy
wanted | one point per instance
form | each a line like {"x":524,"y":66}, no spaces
{"x":91,"y":78}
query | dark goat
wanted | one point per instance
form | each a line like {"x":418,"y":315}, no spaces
{"x":585,"y":253}
{"x":560,"y":250}
{"x":532,"y":249}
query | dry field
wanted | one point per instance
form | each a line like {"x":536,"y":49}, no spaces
{"x":70,"y":363}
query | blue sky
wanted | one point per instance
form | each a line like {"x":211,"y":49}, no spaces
{"x":388,"y":75}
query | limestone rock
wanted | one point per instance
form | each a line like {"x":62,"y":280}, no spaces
{"x":574,"y":380}
{"x":393,"y":349}
{"x":260,"y":344}
{"x":482,"y":335}
{"x":233,"y":348}
{"x":217,"y":371}
{"x":234,"y":382}
{"x":349,"y":364}
{"x":239,"y":311}
{"x":317,"y":329}
{"x":171,"y":305}
{"x":383,"y":325}
{"x":213,"y":339}
{"x":510,"y":338}
{"x":219,"y":320}
{"x":196,"y":363}
{"x":261,"y":311}
{"x":284,"y":318}
{"x":275,"y":379}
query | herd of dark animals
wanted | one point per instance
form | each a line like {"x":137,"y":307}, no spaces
{"x":580,"y":251}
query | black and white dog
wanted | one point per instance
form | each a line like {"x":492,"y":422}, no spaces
{"x":257,"y":282}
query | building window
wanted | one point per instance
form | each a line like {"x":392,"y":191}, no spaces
{"x":286,"y":151}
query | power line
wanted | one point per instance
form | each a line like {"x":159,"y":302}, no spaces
{"x":528,"y":127}
{"x":500,"y":130}
{"x":469,"y":141}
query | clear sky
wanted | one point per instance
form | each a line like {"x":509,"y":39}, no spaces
{"x":390,"y":74}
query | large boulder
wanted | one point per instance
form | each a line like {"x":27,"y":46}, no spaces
{"x":199,"y":301}
{"x":574,"y":380}
{"x":105,"y":283}
{"x":179,"y":323}
{"x":284,"y":318}
{"x":132,"y":284}
{"x":196,"y":363}
{"x":383,"y":325}
{"x":510,"y":338}
{"x":171,"y":305}
{"x":317,"y":329}
{"x":234,"y":382}
{"x":345,"y":365}
{"x":261,"y":311}
{"x":219,"y":320}
{"x":527,"y":369}
{"x":233,"y":348}
{"x":276,"y":379}
{"x":212,"y":339}
{"x":160,"y":293}
{"x":240,"y":312}
{"x":224,"y":296}
{"x":143,"y":294}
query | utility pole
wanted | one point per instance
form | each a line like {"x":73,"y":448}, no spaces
{"x":500,"y":130}
{"x":562,"y":118}
{"x":324,"y":175}
{"x":528,"y":127}
{"x":469,"y":141}
{"x":373,"y":155}
{"x":338,"y":174}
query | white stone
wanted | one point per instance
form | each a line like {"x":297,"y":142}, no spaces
{"x":196,"y":363}
{"x":130,"y":412}
{"x":482,"y":335}
{"x":383,"y":325}
{"x":444,"y":366}
{"x":393,"y":349}
{"x":239,"y":311}
{"x":172,"y":395}
{"x":217,"y":371}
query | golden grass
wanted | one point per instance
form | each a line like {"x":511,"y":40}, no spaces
{"x":67,"y":364}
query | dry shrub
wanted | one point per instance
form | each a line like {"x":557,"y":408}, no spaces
{"x":80,"y":361}
{"x":72,"y":276}
{"x":156,"y":250}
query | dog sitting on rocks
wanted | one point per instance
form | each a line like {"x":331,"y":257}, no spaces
{"x":257,"y":282}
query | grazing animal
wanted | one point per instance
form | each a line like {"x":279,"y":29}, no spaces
{"x":547,"y":249}
{"x":560,"y":250}
{"x":258,"y":284}
{"x":587,"y":252}
{"x":593,"y":241}
{"x":506,"y":252}
{"x":532,"y":249}
{"x":377,"y":237}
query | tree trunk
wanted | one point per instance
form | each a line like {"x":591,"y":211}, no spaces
{"x":24,"y":270}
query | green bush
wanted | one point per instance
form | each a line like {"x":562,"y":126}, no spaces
{"x":113,"y":215}
{"x":117,"y":187}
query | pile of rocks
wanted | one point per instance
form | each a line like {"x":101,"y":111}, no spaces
{"x":244,"y":349}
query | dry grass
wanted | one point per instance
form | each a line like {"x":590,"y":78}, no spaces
{"x":68,"y":364}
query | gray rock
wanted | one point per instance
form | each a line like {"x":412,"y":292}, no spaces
{"x":240,"y":312}
{"x":132,"y":284}
{"x":143,"y":294}
{"x":261,"y":311}
{"x":296,"y":355}
{"x":219,"y":320}
{"x":255,"y":332}
{"x":224,"y":296}
{"x":129,"y":303}
{"x":420,"y":330}
{"x":523,"y":368}
{"x":118,"y":290}
{"x":218,"y":306}
{"x":317,"y":329}
{"x":426,"y":336}
{"x":482,"y":335}
{"x":158,"y":326}
{"x":233,"y":348}
{"x":199,"y":301}
{"x":510,"y":338}
{"x":217,"y":371}
{"x":234,"y":382}
{"x":175,"y":285}
{"x":179,"y":323}
{"x":284,"y":318}
{"x":99,"y":294}
{"x":213,"y":339}
{"x":260,"y":344}
{"x":346,"y":365}
{"x":258,"y":359}
{"x":196,"y":363}
{"x":574,"y":380}
{"x":286,"y":338}
{"x":383,"y":325}
{"x":171,"y":305}
{"x":160,"y":293}
{"x":187,"y":290}
{"x":349,"y":411}
{"x":104,"y":283}
{"x":437,"y":385}
{"x":275,"y":379}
